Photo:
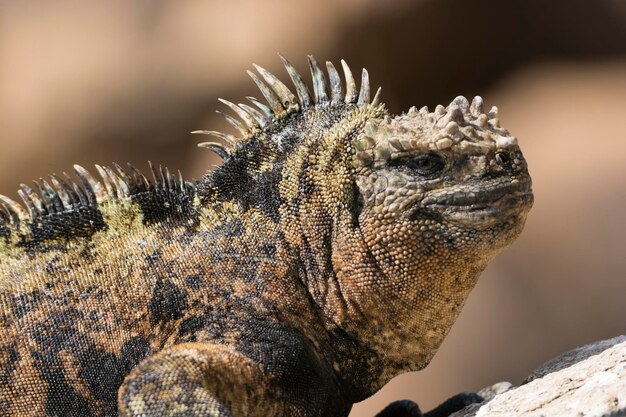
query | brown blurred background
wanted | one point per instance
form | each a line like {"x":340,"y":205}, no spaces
{"x":95,"y":82}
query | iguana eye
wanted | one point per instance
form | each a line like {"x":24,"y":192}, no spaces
{"x":427,"y":164}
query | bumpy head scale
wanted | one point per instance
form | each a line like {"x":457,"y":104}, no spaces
{"x":460,"y":123}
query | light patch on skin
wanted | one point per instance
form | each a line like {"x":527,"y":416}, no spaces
{"x":11,"y":255}
{"x":265,"y":165}
{"x":12,"y":259}
{"x":210,"y":217}
{"x":120,"y":216}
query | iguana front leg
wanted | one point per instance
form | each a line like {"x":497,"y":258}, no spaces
{"x":194,"y":380}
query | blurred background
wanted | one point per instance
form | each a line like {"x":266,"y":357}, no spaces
{"x":95,"y":82}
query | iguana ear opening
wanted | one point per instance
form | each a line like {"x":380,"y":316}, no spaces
{"x":357,"y":205}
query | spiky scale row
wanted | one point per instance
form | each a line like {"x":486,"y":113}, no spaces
{"x":62,"y":195}
{"x":282,"y":101}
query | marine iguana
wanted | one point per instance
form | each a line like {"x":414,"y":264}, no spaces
{"x":331,"y":251}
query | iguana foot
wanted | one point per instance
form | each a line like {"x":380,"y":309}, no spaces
{"x":402,"y":408}
{"x":407,"y":408}
{"x":454,"y":404}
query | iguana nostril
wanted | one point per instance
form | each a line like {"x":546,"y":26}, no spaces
{"x":502,"y":158}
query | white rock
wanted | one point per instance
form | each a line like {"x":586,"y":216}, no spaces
{"x":589,"y":381}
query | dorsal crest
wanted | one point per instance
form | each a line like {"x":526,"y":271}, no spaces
{"x":283,"y":102}
{"x":61,"y":208}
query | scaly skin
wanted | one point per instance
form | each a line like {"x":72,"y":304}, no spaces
{"x":331,"y":251}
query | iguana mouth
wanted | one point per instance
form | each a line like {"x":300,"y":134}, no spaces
{"x":480,"y":197}
{"x":488,"y":204}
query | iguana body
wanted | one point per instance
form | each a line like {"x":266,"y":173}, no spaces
{"x":331,"y":251}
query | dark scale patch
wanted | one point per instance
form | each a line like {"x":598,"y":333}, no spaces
{"x":153,"y":257}
{"x":62,"y":399}
{"x":8,"y":366}
{"x":217,"y":320}
{"x":305,"y":186}
{"x":103,"y":374}
{"x":234,"y":228}
{"x":311,"y":270}
{"x":189,"y":327}
{"x":87,"y":253}
{"x":172,"y":204}
{"x":269,"y":249}
{"x":132,"y":352}
{"x":230,"y":228}
{"x":194,"y":282}
{"x":168,"y":302}
{"x":101,"y":371}
{"x":238,"y":179}
{"x":357,"y":205}
{"x":70,"y":211}
{"x":82,"y":222}
{"x":292,"y":361}
{"x":234,"y":180}
{"x":59,"y":333}
{"x":24,"y":303}
{"x":452,"y":242}
{"x":52,"y":231}
{"x":267,"y":194}
{"x":52,"y":266}
{"x":5,"y":232}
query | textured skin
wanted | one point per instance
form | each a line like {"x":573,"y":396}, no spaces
{"x":332,"y":250}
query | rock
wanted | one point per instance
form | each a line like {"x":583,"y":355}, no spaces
{"x":573,"y":356}
{"x":589,"y":381}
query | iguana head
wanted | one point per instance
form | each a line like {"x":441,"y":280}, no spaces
{"x":452,"y":171}
{"x":440,"y":194}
